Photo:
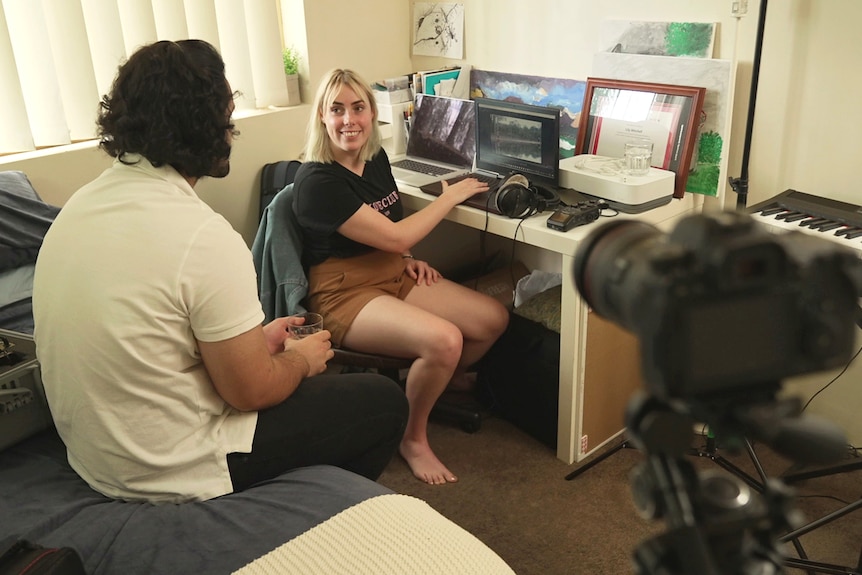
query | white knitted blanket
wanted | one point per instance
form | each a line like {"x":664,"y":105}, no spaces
{"x":385,"y":535}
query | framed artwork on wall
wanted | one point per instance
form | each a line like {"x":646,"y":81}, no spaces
{"x":709,"y":174}
{"x":616,"y":112}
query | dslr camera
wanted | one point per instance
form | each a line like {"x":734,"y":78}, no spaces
{"x":723,"y":310}
{"x":721,"y":304}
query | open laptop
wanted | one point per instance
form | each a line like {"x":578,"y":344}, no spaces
{"x":511,"y":138}
{"x":441,"y":143}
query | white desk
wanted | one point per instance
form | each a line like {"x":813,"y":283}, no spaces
{"x":572,"y":444}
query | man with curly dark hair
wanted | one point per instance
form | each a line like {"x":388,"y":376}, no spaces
{"x":161,"y":379}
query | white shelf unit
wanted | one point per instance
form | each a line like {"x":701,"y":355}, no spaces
{"x":393,"y":129}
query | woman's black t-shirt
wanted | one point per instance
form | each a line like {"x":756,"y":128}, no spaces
{"x":326,"y":195}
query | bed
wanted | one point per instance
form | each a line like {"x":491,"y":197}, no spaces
{"x":25,"y":219}
{"x":314,"y":520}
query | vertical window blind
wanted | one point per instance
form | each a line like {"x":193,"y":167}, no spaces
{"x":58,"y":57}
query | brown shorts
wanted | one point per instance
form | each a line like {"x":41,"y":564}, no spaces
{"x":339,"y":288}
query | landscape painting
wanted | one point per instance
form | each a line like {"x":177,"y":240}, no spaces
{"x":567,"y":95}
{"x":690,"y":39}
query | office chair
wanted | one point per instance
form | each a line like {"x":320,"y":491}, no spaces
{"x":283,"y":285}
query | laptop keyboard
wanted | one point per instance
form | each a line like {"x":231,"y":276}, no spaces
{"x":421,"y":167}
{"x":492,"y":181}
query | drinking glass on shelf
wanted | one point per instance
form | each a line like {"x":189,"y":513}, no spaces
{"x":638,"y":157}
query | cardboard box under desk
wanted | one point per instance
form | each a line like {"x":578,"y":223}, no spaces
{"x":500,"y":283}
{"x":23,"y":407}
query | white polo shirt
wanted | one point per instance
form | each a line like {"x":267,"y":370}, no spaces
{"x":134,"y":269}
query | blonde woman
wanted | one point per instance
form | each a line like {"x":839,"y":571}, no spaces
{"x":374,"y":295}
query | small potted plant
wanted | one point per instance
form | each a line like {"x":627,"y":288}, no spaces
{"x":290,"y":57}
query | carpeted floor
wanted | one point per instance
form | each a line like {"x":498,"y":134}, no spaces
{"x":513,"y":496}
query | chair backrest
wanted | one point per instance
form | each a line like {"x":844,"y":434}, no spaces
{"x":273,"y":178}
{"x":277,"y":253}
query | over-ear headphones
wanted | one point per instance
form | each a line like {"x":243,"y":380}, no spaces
{"x":517,"y":198}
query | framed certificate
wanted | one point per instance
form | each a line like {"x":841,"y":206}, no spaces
{"x":616,"y":112}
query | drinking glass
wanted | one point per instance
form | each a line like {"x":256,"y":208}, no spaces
{"x":638,"y":157}
{"x":313,"y":324}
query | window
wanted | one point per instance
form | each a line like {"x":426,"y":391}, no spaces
{"x":58,"y":57}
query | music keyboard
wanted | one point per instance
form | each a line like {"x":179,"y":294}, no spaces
{"x":836,"y":221}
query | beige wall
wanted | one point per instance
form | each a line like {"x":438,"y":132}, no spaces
{"x":56,"y":174}
{"x":807,"y":108}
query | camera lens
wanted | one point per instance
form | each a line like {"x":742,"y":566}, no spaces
{"x":719,"y":304}
{"x":605,"y":263}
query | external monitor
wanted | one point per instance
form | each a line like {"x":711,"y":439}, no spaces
{"x":516,"y":137}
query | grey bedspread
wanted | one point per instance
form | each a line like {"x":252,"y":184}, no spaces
{"x":24,"y":220}
{"x":43,"y":500}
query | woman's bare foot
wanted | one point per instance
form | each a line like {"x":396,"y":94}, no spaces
{"x":463,"y":382}
{"x":424,"y":464}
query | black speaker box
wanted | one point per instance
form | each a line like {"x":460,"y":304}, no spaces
{"x":519,"y":378}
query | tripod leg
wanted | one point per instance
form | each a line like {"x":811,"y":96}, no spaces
{"x":755,"y":461}
{"x":822,"y":521}
{"x":813,"y":566}
{"x":793,"y":477}
{"x":597,"y":460}
{"x":712,"y":453}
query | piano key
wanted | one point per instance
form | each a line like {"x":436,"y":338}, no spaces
{"x":773,"y":211}
{"x":842,"y":218}
{"x":849,"y":233}
{"x":826,"y":226}
{"x":796,"y":217}
{"x":812,"y":221}
{"x":780,"y":226}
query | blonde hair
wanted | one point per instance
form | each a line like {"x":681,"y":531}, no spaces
{"x":317,"y":143}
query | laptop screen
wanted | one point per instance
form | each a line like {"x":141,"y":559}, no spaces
{"x":515,"y":137}
{"x":443,"y":129}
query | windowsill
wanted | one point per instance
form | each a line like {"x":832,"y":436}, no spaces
{"x":46,"y":152}
{"x":240,"y":114}
{"x":94,"y":143}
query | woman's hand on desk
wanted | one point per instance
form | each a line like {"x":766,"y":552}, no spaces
{"x":466,"y":188}
{"x":421,"y":271}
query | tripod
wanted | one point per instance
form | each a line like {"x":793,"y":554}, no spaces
{"x":803,"y":562}
{"x":716,"y":523}
{"x":710,"y":452}
{"x":772,"y":491}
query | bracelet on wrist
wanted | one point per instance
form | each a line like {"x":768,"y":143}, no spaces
{"x":407,"y":257}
